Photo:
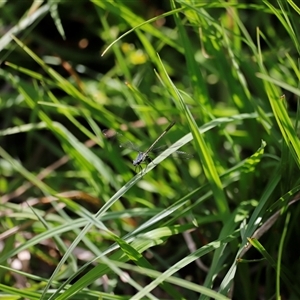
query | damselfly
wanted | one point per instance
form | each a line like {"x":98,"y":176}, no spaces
{"x":143,"y":156}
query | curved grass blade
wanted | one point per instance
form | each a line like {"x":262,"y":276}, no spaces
{"x":176,"y":154}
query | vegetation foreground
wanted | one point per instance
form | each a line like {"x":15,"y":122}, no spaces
{"x":212,"y":213}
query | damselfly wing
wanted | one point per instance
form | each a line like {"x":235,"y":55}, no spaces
{"x":144,"y":156}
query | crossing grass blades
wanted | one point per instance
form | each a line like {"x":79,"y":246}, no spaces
{"x":143,"y":156}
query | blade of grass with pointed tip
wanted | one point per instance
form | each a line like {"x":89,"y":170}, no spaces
{"x":202,"y":149}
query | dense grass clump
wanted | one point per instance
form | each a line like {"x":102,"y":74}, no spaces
{"x":78,"y":221}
